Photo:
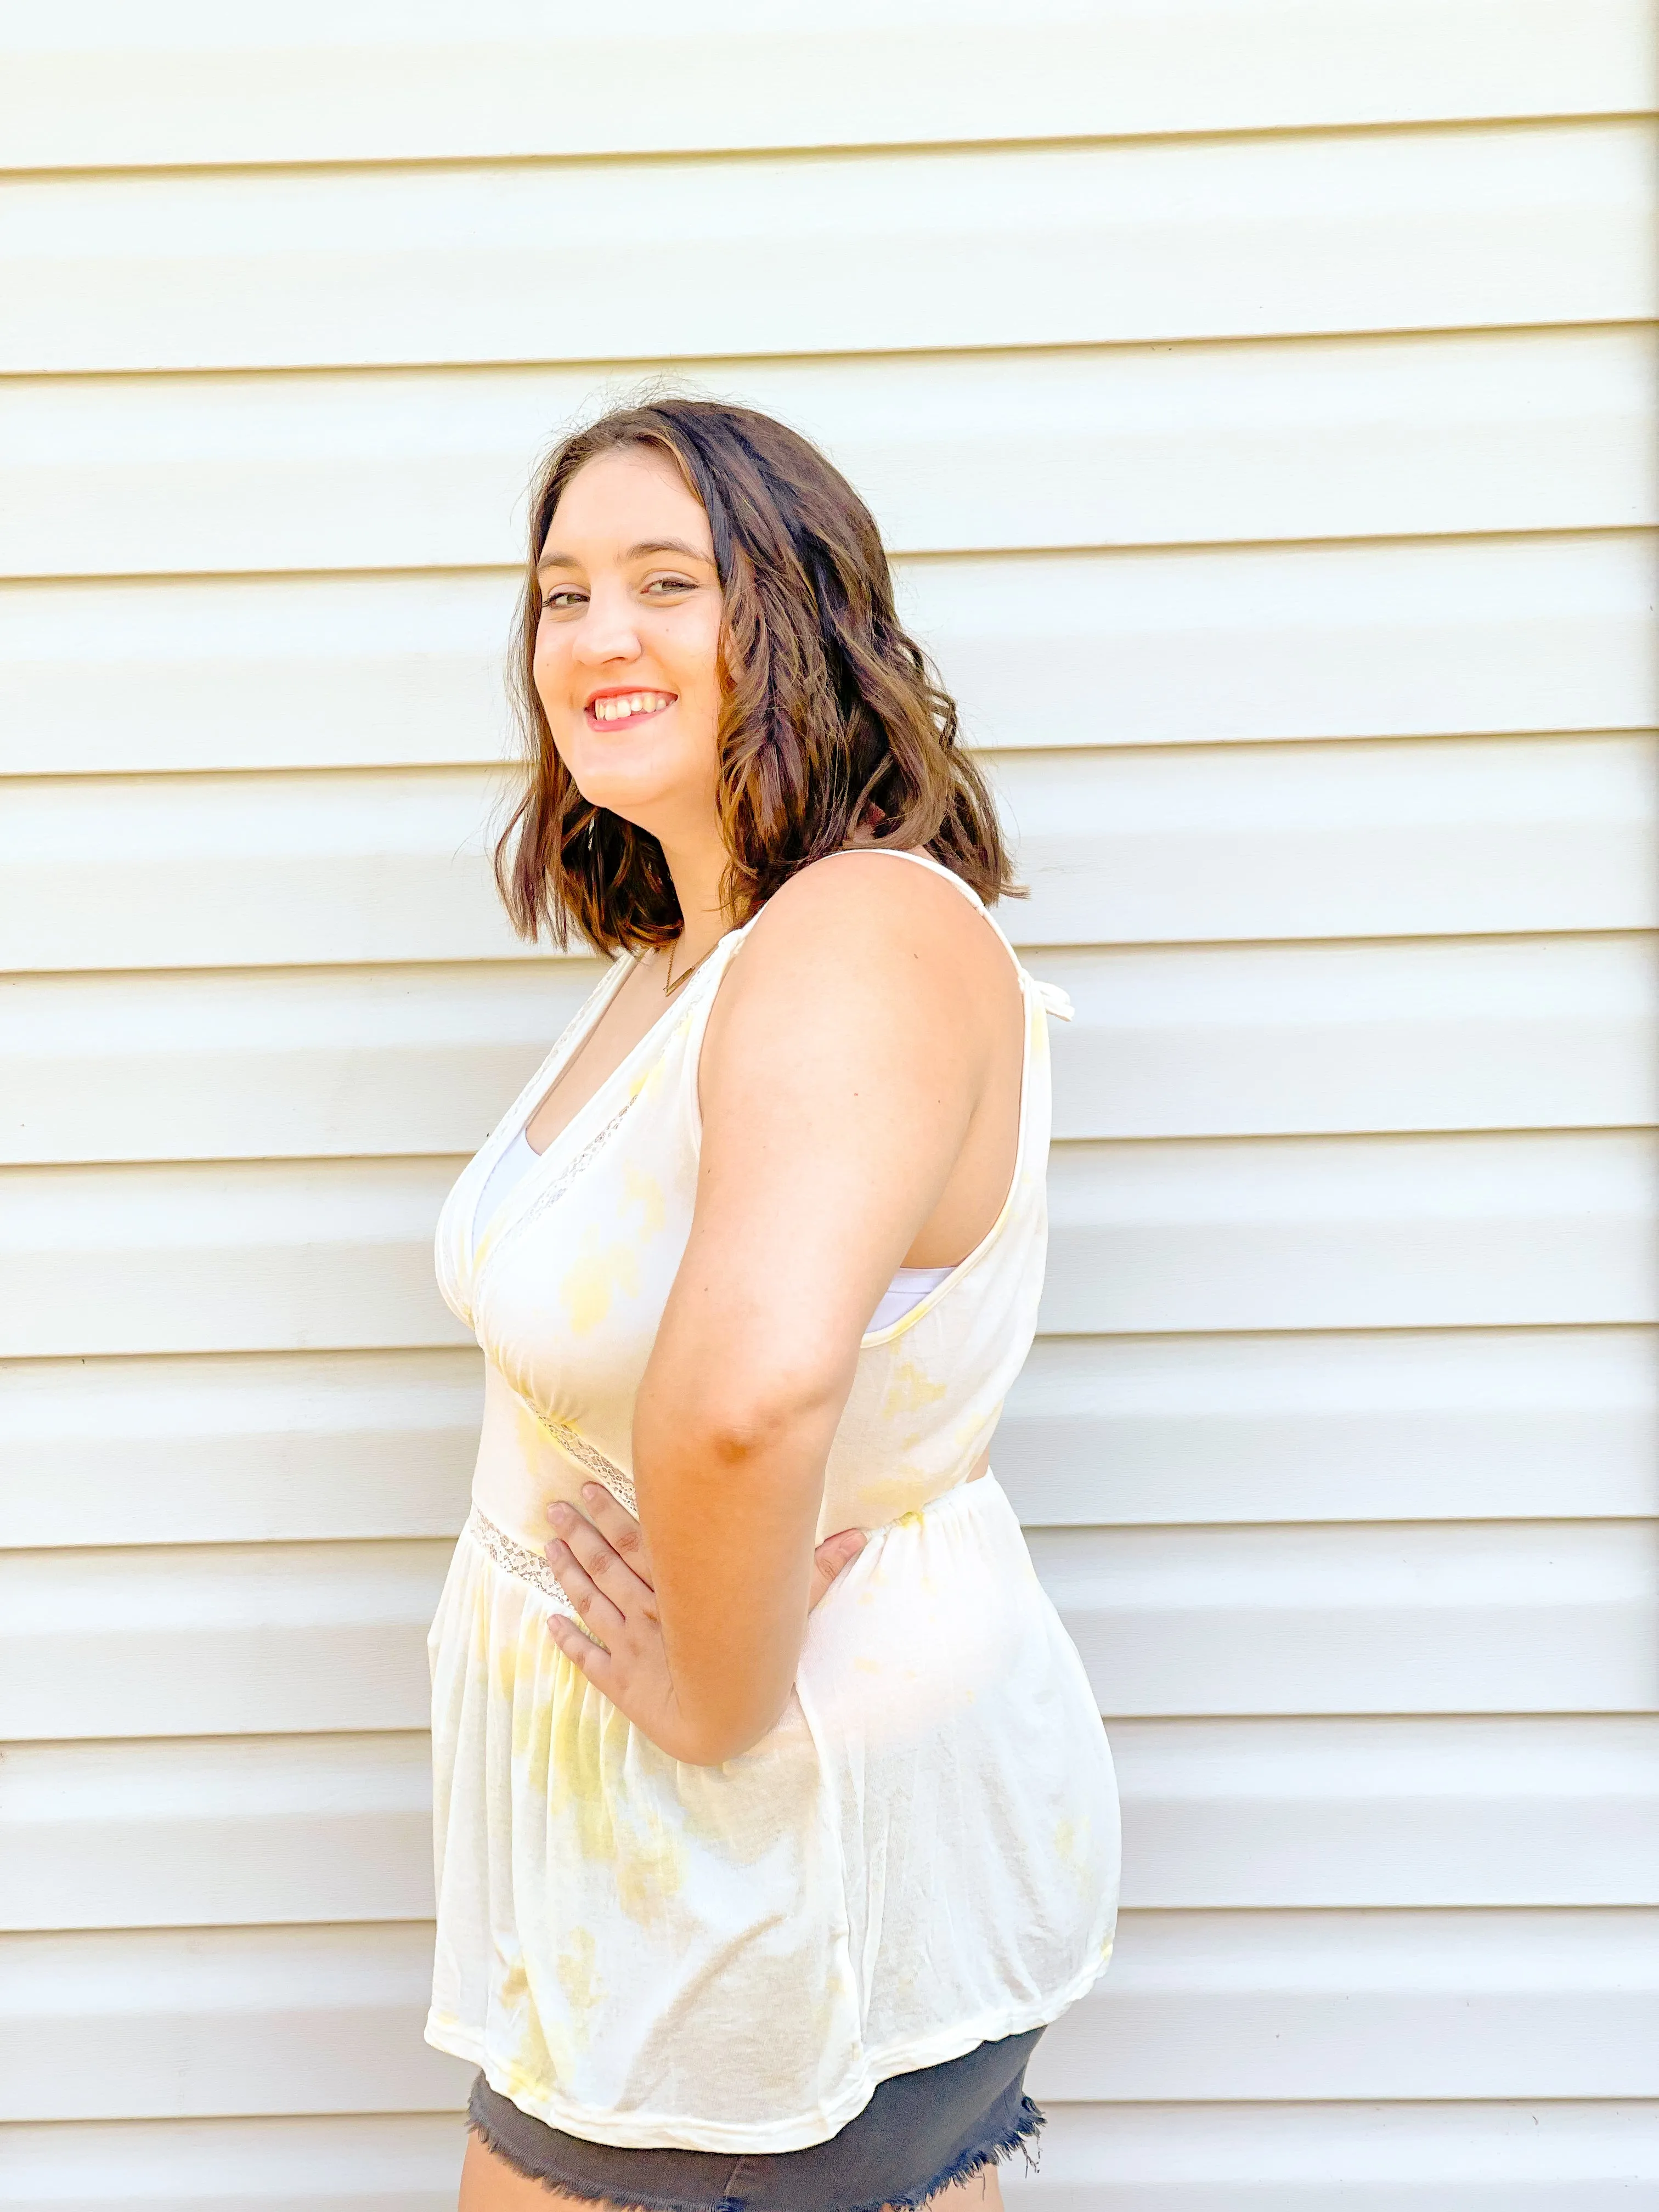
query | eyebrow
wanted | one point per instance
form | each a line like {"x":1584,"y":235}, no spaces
{"x":646,"y":546}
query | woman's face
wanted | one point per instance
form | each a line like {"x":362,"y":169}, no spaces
{"x":628,"y":644}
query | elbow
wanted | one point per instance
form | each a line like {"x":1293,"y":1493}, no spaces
{"x":717,"y":1738}
{"x":737,"y":1421}
{"x":719,"y":1748}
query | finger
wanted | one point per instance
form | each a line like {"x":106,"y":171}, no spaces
{"x":596,"y":1552}
{"x":628,"y":1592}
{"x":833,"y":1554}
{"x":607,"y":1621}
{"x":619,"y":1528}
{"x":584,"y":1539}
{"x":588,"y":1658}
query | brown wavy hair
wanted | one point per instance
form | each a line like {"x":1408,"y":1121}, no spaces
{"x":832,"y":719}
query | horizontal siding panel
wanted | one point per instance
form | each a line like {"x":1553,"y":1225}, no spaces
{"x":218,"y":1640}
{"x":1446,"y":1618}
{"x":264,"y":1064}
{"x":1245,"y":1814}
{"x":221,"y":872}
{"x":211,"y":1640}
{"x":1548,"y":2155}
{"x":151,"y":2023}
{"x":1388,"y":1813}
{"x":1177,"y":647}
{"x":1167,"y":846}
{"x":1276,"y":1041}
{"x":1217,"y":1042}
{"x":1299,"y":643}
{"x":1353,"y":1233}
{"x":1493,"y":2005}
{"x":256,"y":1830}
{"x":346,"y":672}
{"x":1333,"y":841}
{"x":357,"y":2162}
{"x":1350,"y":2005}
{"x":239,"y":1450}
{"x":1517,"y":1231}
{"x":238,"y":1258}
{"x":183,"y":84}
{"x":1119,"y":447}
{"x":1413,"y":1424}
{"x":1544,"y":224}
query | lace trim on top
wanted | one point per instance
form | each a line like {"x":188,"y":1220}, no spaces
{"x":588,"y":1456}
{"x":485,"y":1241}
{"x":515,"y":1559}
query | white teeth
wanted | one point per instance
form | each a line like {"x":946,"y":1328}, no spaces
{"x":640,"y":703}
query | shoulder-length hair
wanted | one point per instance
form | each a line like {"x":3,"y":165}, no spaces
{"x":832,"y":719}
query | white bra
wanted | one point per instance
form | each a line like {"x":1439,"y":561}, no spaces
{"x":908,"y":1288}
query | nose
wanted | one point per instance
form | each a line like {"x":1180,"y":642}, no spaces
{"x":606,"y":631}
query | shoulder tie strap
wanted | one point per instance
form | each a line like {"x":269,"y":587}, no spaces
{"x":1053,"y":1000}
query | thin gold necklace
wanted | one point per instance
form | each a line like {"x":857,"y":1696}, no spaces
{"x":675,"y":981}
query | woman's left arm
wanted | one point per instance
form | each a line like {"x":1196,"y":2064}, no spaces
{"x":844,"y":1058}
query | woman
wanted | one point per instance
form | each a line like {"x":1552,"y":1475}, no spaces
{"x":774,"y":1816}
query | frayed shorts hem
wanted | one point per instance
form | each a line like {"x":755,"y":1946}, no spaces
{"x":921,"y":2133}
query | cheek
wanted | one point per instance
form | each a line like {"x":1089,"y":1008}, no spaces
{"x":700,"y":665}
{"x":549,"y":665}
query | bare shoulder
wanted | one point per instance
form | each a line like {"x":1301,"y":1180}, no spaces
{"x":861,"y":968}
{"x":859,"y":914}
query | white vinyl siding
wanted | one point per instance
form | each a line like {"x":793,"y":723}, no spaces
{"x":1260,"y":401}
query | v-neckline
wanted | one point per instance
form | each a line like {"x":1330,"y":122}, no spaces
{"x":542,"y":1084}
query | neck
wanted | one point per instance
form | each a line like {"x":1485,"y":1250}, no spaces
{"x":696,"y":869}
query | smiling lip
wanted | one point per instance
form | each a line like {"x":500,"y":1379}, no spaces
{"x":620,"y":708}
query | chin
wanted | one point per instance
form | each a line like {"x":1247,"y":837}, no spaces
{"x":646,"y":801}
{"x":652,"y":794}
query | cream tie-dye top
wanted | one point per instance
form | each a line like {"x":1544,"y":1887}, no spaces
{"x":922,"y":1854}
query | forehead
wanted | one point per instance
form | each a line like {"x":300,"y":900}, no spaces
{"x":619,"y":498}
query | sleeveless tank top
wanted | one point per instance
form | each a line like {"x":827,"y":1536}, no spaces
{"x":922,"y":1854}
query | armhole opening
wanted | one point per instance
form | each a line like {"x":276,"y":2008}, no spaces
{"x":1022,"y":1125}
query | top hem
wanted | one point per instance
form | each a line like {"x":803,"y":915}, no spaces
{"x":656,"y":2131}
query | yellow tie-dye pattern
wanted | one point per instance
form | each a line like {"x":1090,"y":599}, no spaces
{"x":653,"y":1900}
{"x":646,"y":1192}
{"x":599,"y":1269}
{"x":579,"y":1976}
{"x":531,"y":2062}
{"x":910,"y":1390}
{"x":572,"y":1748}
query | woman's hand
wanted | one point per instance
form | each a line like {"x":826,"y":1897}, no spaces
{"x":604,"y":1569}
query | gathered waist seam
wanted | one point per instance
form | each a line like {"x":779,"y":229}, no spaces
{"x":960,"y":1494}
{"x":517,"y":1559}
{"x":529,"y":1565}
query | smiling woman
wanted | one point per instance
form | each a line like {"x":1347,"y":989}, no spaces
{"x":752,"y":590}
{"x":774,"y":1819}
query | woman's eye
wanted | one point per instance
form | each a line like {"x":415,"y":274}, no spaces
{"x":668,"y":584}
{"x":557,"y":602}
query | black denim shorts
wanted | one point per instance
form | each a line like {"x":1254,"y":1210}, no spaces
{"x":919,"y":2133}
